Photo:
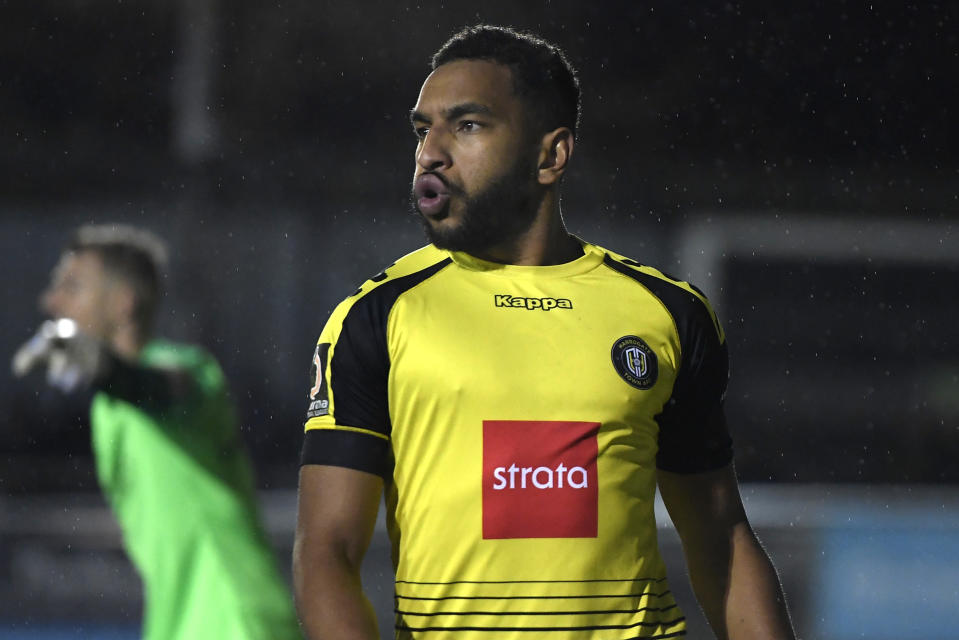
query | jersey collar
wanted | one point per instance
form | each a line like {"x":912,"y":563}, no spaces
{"x":592,"y":257}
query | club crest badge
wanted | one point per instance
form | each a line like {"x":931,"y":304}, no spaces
{"x":635,"y":362}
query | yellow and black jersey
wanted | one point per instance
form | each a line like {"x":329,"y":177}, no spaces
{"x":518,"y":415}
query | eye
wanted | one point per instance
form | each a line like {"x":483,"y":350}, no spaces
{"x":420,"y":132}
{"x":469,"y":126}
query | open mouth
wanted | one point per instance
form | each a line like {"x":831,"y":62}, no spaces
{"x":432,"y":195}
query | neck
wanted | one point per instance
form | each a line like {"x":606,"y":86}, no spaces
{"x":546,"y":242}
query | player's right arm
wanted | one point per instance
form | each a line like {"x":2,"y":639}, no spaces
{"x":344,"y":459}
{"x":336,"y":517}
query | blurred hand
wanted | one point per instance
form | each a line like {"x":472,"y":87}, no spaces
{"x":73,"y":360}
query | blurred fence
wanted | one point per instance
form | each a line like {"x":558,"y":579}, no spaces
{"x":843,"y":348}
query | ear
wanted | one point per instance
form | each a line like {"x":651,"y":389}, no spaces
{"x":122,"y":302}
{"x":556,"y":148}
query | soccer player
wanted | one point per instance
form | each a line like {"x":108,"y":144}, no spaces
{"x":166,"y":445}
{"x":517,"y":393}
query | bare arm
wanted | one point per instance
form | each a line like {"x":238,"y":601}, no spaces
{"x":335,"y":522}
{"x":732,"y":576}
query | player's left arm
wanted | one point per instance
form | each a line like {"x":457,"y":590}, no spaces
{"x":74,"y":360}
{"x":732,"y":576}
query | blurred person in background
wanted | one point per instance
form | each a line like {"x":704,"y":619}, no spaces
{"x":168,"y":453}
{"x":518,"y":393}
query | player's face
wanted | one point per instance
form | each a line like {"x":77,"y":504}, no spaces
{"x":80,"y":289}
{"x":474,"y":184}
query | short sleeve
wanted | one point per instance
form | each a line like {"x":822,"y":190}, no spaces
{"x":693,"y":434}
{"x":348,"y":420}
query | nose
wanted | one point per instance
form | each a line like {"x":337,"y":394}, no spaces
{"x":432,"y":153}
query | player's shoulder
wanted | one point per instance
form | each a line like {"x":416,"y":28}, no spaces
{"x":381,"y":291}
{"x":405,"y":272}
{"x":681,"y":298}
{"x":161,"y":353}
{"x":644,"y":272}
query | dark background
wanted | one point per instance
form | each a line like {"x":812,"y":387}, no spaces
{"x":269,"y":144}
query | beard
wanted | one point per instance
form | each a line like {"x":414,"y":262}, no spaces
{"x":500,"y":212}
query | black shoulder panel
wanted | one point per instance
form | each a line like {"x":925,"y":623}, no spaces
{"x":359,"y":369}
{"x":693,"y":435}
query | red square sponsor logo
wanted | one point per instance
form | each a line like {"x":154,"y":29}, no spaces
{"x":539,"y":479}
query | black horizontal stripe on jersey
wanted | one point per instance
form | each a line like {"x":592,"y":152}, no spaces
{"x":427,"y":582}
{"x":534,"y":613}
{"x":693,"y":435}
{"x":350,"y":449}
{"x":602,"y":627}
{"x":567,"y":597}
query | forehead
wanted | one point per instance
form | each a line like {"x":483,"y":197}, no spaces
{"x":468,"y":81}
{"x":79,"y":264}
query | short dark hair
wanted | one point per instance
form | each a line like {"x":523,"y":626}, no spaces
{"x":542,"y":75}
{"x":136,"y":256}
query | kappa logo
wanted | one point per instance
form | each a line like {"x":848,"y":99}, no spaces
{"x":540,"y":479}
{"x":519,"y":302}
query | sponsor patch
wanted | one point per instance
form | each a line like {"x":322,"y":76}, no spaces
{"x":319,"y":397}
{"x":531,"y":304}
{"x":635,"y":362}
{"x":540,"y":479}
